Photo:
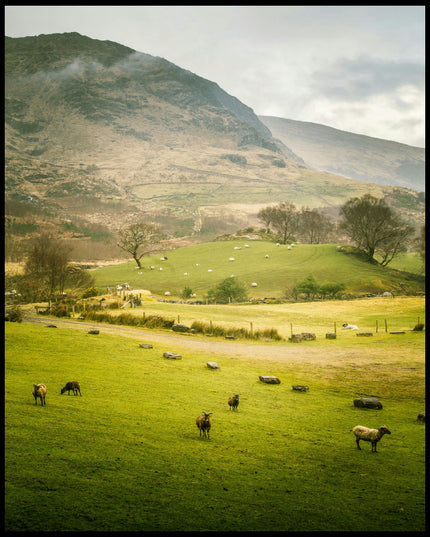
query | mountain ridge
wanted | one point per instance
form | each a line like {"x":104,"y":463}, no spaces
{"x":392,"y":162}
{"x":98,"y":135}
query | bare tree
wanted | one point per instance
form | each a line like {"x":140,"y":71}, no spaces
{"x":285,"y":220}
{"x":313,"y":226}
{"x":266,"y":216}
{"x":48,"y":263}
{"x":374,"y":227}
{"x":138,"y":240}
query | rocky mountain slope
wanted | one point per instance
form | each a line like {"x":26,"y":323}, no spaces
{"x":98,"y":135}
{"x":353,"y":155}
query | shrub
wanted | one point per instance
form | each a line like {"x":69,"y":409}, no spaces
{"x":13,"y":314}
{"x":91,"y":291}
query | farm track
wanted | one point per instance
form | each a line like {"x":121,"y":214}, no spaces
{"x":283,"y":352}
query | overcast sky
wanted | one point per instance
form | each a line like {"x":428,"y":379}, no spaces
{"x":355,"y":68}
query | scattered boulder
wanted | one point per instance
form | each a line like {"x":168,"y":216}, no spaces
{"x":397,"y":332}
{"x":230,"y":337}
{"x":213,"y":365}
{"x":304,"y":336}
{"x":422,"y":417}
{"x":172,"y":355}
{"x":330,"y":335}
{"x":145,"y":345}
{"x":367,"y":402}
{"x":51,"y":326}
{"x":269,"y":379}
{"x":295,"y":338}
{"x":300,"y":387}
{"x":178,"y":327}
{"x":94,"y":331}
{"x":364,"y":334}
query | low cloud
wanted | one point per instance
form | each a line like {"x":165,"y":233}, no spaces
{"x":365,"y":77}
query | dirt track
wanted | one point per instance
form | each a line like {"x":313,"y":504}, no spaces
{"x":284,"y":351}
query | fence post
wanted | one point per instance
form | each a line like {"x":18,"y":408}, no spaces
{"x":291,"y":329}
{"x":376,"y":325}
{"x":385,"y":324}
{"x":252,"y":330}
{"x":335,"y":327}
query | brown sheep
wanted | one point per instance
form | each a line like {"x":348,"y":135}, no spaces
{"x":233,"y":402}
{"x":73,"y":385}
{"x":204,"y":423}
{"x":39,"y":390}
{"x":369,"y":435}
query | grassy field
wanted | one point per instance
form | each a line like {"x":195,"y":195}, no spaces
{"x":201,"y":267}
{"x":127,"y":456}
{"x":379,"y":315}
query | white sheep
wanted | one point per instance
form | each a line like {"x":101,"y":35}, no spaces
{"x":348,"y":326}
{"x":369,"y":435}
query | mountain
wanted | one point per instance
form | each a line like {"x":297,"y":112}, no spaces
{"x":353,"y":155}
{"x":98,"y":135}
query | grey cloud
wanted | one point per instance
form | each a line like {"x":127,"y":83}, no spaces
{"x":365,"y":77}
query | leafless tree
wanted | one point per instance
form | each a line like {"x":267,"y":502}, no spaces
{"x":138,"y":240}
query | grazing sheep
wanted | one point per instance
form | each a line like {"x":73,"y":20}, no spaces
{"x":369,"y":435}
{"x":348,"y":326}
{"x":204,"y":423}
{"x":233,"y":402}
{"x":39,"y":390}
{"x":74,"y":386}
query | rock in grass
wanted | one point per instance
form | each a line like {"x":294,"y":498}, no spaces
{"x":178,"y":327}
{"x":145,"y":345}
{"x":421,"y":417}
{"x":93,"y":331}
{"x":172,"y":355}
{"x":367,"y":402}
{"x":269,"y":379}
{"x":213,"y":365}
{"x":300,"y":387}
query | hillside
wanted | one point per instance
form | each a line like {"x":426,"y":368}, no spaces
{"x":98,"y":135}
{"x":203,"y":266}
{"x":353,"y":155}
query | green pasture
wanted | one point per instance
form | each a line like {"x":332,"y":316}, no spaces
{"x":127,"y":455}
{"x":203,"y":266}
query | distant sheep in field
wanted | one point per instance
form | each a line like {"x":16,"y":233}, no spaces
{"x":369,"y":435}
{"x":348,"y":326}
{"x":253,"y":284}
{"x":204,"y":423}
{"x":266,"y":256}
{"x":74,"y":386}
{"x":39,"y":390}
{"x":233,"y":402}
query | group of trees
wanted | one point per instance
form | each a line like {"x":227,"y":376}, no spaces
{"x":48,"y":271}
{"x":370,"y":224}
{"x":309,"y":225}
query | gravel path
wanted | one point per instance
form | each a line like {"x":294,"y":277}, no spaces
{"x":282,"y":351}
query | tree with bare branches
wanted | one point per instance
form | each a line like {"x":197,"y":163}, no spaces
{"x":138,"y":240}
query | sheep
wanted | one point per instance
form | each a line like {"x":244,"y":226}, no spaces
{"x":39,"y":390}
{"x":204,"y":423}
{"x":233,"y":402}
{"x":348,"y":326}
{"x":369,"y":435}
{"x":74,"y":386}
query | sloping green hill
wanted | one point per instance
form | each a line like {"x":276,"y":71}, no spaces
{"x":201,"y":267}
